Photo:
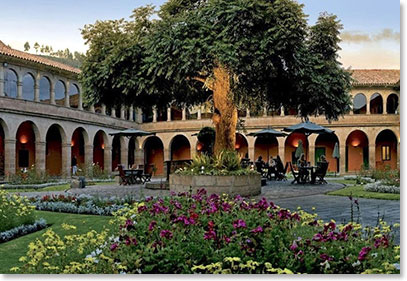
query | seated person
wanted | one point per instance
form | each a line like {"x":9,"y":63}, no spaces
{"x":279,"y":167}
{"x":260,"y":164}
{"x":318,"y":170}
{"x":134,"y":166}
{"x":303,"y":173}
{"x":271,"y":167}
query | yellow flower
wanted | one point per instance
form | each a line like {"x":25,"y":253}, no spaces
{"x":67,"y":226}
{"x":15,"y":269}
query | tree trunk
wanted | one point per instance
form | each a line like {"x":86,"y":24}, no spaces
{"x":225,"y":112}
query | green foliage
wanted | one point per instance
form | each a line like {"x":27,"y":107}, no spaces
{"x":31,"y":176}
{"x":92,"y":171}
{"x":227,"y":160}
{"x":272,"y":56}
{"x":359,"y":192}
{"x":14,"y":211}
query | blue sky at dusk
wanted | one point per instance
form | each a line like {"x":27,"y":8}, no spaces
{"x":371,"y":35}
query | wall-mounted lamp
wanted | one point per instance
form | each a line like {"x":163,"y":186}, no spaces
{"x":199,"y":147}
{"x":23,"y":139}
{"x":103,"y":146}
{"x":355,"y":143}
{"x":72,"y":143}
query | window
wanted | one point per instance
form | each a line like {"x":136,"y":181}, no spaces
{"x":385,"y":152}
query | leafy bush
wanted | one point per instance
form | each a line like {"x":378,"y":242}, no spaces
{"x":216,"y":234}
{"x":225,"y":163}
{"x":379,"y":186}
{"x":30,"y":176}
{"x":92,"y":171}
{"x":14,"y":211}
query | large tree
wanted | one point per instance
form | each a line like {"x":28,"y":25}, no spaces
{"x":236,"y":52}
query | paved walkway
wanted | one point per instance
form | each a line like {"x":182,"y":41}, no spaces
{"x":284,"y":194}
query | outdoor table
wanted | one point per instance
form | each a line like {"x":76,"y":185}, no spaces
{"x":133,"y":174}
{"x":310,"y":168}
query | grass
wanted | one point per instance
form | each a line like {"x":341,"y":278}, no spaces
{"x":358,"y":191}
{"x":12,"y":250}
{"x":55,"y":187}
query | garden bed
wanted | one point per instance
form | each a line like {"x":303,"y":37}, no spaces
{"x":244,"y":185}
{"x":44,"y":185}
{"x":22,"y":230}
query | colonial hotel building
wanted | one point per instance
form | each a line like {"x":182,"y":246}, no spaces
{"x":44,"y":122}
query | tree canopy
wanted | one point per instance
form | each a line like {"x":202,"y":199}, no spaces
{"x":238,"y":52}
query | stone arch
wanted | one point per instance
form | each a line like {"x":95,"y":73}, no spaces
{"x":376,"y":104}
{"x":180,"y":148}
{"x":73,"y":95}
{"x":28,"y":86}
{"x":154,"y":155}
{"x":291,"y":144}
{"x":10,"y":82}
{"x":100,"y":141}
{"x":359,"y":104}
{"x":55,"y":140}
{"x":392,"y":104}
{"x":79,"y":140}
{"x":324,"y":145}
{"x":45,"y":89}
{"x":386,"y":150}
{"x":27,"y":136}
{"x":265,"y":147}
{"x":356,"y":151}
{"x":60,"y":92}
{"x":242,"y":146}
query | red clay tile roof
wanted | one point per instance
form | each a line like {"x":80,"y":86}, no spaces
{"x":5,"y":50}
{"x":376,"y":77}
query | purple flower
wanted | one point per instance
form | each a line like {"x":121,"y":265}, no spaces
{"x":227,"y":239}
{"x":166,"y":234}
{"x":226,"y":207}
{"x":152,"y":225}
{"x":294,"y":246}
{"x":325,"y":257}
{"x":317,"y":237}
{"x":363,"y":253}
{"x":257,"y":229}
{"x":149,"y":198}
{"x":239,"y":223}
{"x":210,"y":235}
{"x":283,"y":214}
{"x":114,"y":246}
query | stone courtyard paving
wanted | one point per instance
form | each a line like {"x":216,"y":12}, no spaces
{"x":282,"y":193}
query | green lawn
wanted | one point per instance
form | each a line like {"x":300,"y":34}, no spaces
{"x":55,"y":187}
{"x":357,"y":191}
{"x":12,"y":250}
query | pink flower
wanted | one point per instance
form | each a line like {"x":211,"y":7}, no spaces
{"x":325,"y":257}
{"x":239,"y":223}
{"x":166,"y":234}
{"x":317,"y":237}
{"x":294,"y":246}
{"x":363,"y":253}
{"x":114,"y":246}
{"x":257,"y":229}
{"x":210,"y":235}
{"x":226,"y":207}
{"x":227,"y":239}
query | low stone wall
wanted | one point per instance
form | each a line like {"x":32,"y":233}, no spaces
{"x":243,"y":185}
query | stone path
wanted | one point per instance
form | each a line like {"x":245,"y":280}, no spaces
{"x":284,"y":194}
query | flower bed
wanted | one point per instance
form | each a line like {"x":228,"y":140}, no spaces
{"x":379,"y":186}
{"x":14,"y":211}
{"x":197,"y":233}
{"x":22,"y":230}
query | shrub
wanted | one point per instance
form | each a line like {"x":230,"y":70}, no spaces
{"x":379,"y":186}
{"x":14,"y":211}
{"x":92,"y":171}
{"x":30,"y":176}
{"x":217,"y":234}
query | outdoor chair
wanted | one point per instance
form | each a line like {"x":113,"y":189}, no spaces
{"x":296,"y":174}
{"x":125,"y":180}
{"x":281,"y":171}
{"x":146,"y":177}
{"x":320,"y":172}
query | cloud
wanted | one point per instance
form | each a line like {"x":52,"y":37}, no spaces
{"x":370,"y":57}
{"x":359,"y":37}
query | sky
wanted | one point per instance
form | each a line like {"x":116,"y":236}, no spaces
{"x":370,"y":38}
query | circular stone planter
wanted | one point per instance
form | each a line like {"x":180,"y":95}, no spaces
{"x":246,"y":185}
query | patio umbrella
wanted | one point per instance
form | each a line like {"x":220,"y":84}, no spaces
{"x":267,"y":133}
{"x":132,"y":133}
{"x":336,"y":155}
{"x":308,"y":128}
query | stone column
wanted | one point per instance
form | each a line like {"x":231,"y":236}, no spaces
{"x":199,"y":116}
{"x":367,"y":105}
{"x":67,"y":86}
{"x":250,"y":147}
{"x":385,"y":106}
{"x":122,"y":112}
{"x":37,"y":87}
{"x":398,"y":153}
{"x":193,"y":141}
{"x":184,"y":114}
{"x":113,"y":112}
{"x":107,"y":159}
{"x":40,"y":156}
{"x":19,"y":88}
{"x":66,"y":159}
{"x":247,"y":113}
{"x":281,"y":149}
{"x":139,"y":156}
{"x":139,"y":116}
{"x":351,"y":109}
{"x":131,"y":113}
{"x":9,"y":156}
{"x":282,"y":111}
{"x":2,"y":80}
{"x":342,"y":159}
{"x":168,"y":114}
{"x":311,"y":148}
{"x":372,"y":154}
{"x":92,"y":108}
{"x":264,"y":111}
{"x":103,"y":109}
{"x":154,"y":114}
{"x":88,"y":155}
{"x":124,"y":151}
{"x":80,"y":101}
{"x":52,"y":94}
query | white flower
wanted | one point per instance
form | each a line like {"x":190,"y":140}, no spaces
{"x":356,"y":263}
